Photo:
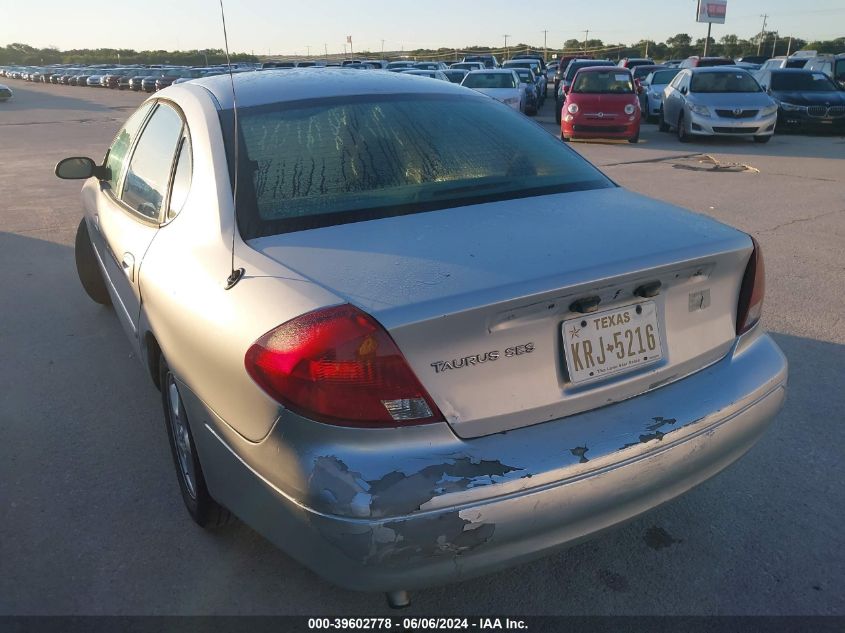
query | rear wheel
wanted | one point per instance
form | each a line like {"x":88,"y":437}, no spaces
{"x":563,"y":138}
{"x":558,"y":108}
{"x":683,"y":137}
{"x":663,"y":126}
{"x":762,"y":139}
{"x":87,"y":267}
{"x":634,"y":139}
{"x":204,"y":510}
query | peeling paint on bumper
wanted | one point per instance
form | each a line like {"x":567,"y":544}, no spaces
{"x":407,"y":508}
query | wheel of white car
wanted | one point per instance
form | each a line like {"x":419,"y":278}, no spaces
{"x":663,"y":126}
{"x":204,"y":510}
{"x":683,"y":137}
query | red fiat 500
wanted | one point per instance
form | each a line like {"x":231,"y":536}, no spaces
{"x":602,"y":103}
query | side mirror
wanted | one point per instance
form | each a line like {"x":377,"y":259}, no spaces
{"x":75,"y":168}
{"x":683,"y":90}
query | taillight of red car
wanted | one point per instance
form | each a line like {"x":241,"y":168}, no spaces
{"x":750,"y":305}
{"x":340,"y":366}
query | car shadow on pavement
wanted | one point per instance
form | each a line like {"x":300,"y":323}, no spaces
{"x":91,"y":502}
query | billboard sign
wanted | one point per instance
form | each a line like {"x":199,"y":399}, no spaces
{"x":712,"y":11}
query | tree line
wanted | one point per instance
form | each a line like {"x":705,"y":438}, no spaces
{"x":678,"y":46}
{"x":29,"y":56}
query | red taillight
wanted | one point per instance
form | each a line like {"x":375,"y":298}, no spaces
{"x":339,"y":365}
{"x":750,"y":305}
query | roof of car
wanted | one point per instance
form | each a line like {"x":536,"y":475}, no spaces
{"x":491,"y":70}
{"x":604,"y":69}
{"x":716,"y":69}
{"x":275,"y":86}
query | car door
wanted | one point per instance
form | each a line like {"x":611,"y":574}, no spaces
{"x":130,"y":211}
{"x":671,"y":97}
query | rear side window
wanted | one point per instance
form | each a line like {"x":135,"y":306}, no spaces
{"x":181,"y":178}
{"x":148,"y":175}
{"x":332,"y":161}
{"x":116,"y":158}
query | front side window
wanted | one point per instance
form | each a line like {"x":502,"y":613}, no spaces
{"x":839,"y":73}
{"x":116,"y":158}
{"x":146,"y":181}
{"x":336,"y":160}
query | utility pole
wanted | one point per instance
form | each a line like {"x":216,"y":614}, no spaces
{"x":586,"y":37}
{"x":308,"y":48}
{"x":707,"y":41}
{"x":762,"y":31}
{"x":789,"y":48}
{"x":774,"y":44}
{"x":545,"y":47}
{"x":382,"y":48}
{"x":507,"y":50}
{"x":326,"y":49}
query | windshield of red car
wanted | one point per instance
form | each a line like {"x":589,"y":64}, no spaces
{"x":605,"y":82}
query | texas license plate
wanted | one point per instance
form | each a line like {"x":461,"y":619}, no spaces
{"x":612,"y":342}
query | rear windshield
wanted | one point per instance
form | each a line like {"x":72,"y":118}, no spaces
{"x":574,"y":68}
{"x":662,"y":77}
{"x":723,"y":82}
{"x":715,"y":61}
{"x":524,"y":75}
{"x":796,"y":63}
{"x":332,"y":161}
{"x":839,"y":71}
{"x":609,"y":82}
{"x":805,"y":82}
{"x":489,"y":80}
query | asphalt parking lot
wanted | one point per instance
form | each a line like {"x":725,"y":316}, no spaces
{"x":92,"y":521}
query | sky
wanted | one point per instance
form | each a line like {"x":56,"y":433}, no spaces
{"x":287,"y":27}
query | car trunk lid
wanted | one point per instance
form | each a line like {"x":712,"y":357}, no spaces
{"x":458,"y":287}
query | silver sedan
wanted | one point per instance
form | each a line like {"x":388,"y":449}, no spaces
{"x":717,"y":101}
{"x":408,"y":335}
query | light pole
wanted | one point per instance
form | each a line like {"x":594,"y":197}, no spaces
{"x":586,"y":37}
{"x":545,"y":46}
{"x":507,"y":51}
{"x":762,"y":31}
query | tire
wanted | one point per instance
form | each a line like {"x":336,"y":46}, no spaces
{"x":683,"y":137}
{"x":563,"y":138}
{"x":204,"y":510}
{"x":558,"y":109}
{"x":762,"y":139}
{"x":87,"y":267}
{"x":634,"y":139}
{"x":663,"y":126}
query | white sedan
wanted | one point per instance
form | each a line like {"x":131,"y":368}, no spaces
{"x":502,"y":84}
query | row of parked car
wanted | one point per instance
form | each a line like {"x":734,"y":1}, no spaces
{"x":520,"y":82}
{"x":136,"y":77}
{"x":701,"y":96}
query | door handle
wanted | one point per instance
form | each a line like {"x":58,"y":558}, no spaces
{"x":128,"y":264}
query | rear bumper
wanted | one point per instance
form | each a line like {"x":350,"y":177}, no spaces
{"x":408,"y":508}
